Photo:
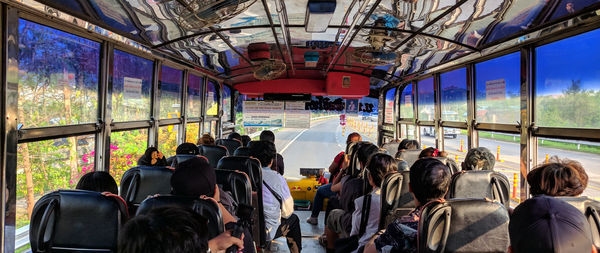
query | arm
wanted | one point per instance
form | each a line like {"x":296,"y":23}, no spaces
{"x":333,"y":166}
{"x":224,"y":241}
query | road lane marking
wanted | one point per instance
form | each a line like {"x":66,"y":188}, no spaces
{"x":292,"y":141}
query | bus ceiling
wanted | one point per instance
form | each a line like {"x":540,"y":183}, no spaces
{"x":257,"y":42}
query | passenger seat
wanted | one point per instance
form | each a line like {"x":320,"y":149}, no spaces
{"x":450,"y":163}
{"x":236,"y":182}
{"x":142,"y":181}
{"x":213,"y":153}
{"x":410,"y":156}
{"x":396,"y":199}
{"x":76,"y":221}
{"x":589,"y":208}
{"x":480,"y":184}
{"x":463,"y":225}
{"x":242,"y":151}
{"x":230,"y":144}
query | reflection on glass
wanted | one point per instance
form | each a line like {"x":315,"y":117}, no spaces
{"x":167,"y":139}
{"x":406,"y":102}
{"x":454,"y":95}
{"x":49,"y":165}
{"x":191,"y":132}
{"x":194,"y":105}
{"x":170,"y":92}
{"x":425,"y":104}
{"x":58,"y":77}
{"x":226,"y":103}
{"x":411,"y":132}
{"x":519,"y":16}
{"x":389,"y":106}
{"x":132,"y":82}
{"x":567,"y":84}
{"x":212,"y":107}
{"x":427,"y":137}
{"x":498,"y":89}
{"x":126,"y":148}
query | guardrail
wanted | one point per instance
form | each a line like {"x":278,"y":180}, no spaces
{"x":22,"y":237}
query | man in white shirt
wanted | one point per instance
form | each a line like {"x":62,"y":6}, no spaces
{"x":277,"y":200}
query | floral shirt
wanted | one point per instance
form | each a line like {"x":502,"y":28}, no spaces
{"x":400,"y":235}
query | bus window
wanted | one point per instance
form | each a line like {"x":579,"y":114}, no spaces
{"x":211,"y":96}
{"x":49,"y":165}
{"x":388,"y":117}
{"x":132,"y":83}
{"x":426,"y":98}
{"x":167,"y":139}
{"x":567,"y":91}
{"x":406,"y":102}
{"x":191,"y":133}
{"x":58,"y":77}
{"x":505,"y":148}
{"x":194,"y":105}
{"x":455,"y":143}
{"x":454,"y":95}
{"x":498,"y":89}
{"x":226,"y":103}
{"x":126,"y":148}
{"x":427,"y":138}
{"x":170,"y":92}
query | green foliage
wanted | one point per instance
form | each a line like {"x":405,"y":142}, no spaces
{"x":125,"y":149}
{"x":575,"y":107}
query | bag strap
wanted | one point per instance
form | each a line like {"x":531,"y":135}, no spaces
{"x":364,"y":219}
{"x":279,"y":199}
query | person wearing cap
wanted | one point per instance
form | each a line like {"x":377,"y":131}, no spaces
{"x":547,"y":224}
{"x":479,"y":159}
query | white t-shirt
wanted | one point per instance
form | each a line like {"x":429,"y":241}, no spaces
{"x":272,"y":209}
{"x":373,"y":224}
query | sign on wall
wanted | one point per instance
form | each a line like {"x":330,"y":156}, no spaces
{"x":296,"y":115}
{"x":132,"y":88}
{"x":495,"y":89}
{"x":263,"y":114}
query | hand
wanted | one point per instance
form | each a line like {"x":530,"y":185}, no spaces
{"x":345,"y":163}
{"x":224,"y":241}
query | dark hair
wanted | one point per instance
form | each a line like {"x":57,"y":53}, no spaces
{"x":245,"y":140}
{"x":187,"y":148}
{"x":351,"y":136}
{"x":429,"y":179}
{"x":98,"y":181}
{"x":479,"y":159}
{"x":194,"y":177}
{"x":234,"y":136}
{"x":380,"y":165}
{"x":206,"y":139}
{"x":264,"y":151}
{"x":165,"y":230}
{"x":365,"y":151}
{"x":267,"y":135}
{"x":146,"y":159}
{"x":428,"y":152}
{"x":407,"y":144}
{"x":558,"y":178}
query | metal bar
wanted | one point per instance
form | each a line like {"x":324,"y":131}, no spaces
{"x":472,"y":135}
{"x":301,"y":69}
{"x":343,"y":46}
{"x":337,"y":35}
{"x":155,"y":104}
{"x":102,"y":149}
{"x":46,"y":133}
{"x":283,"y":21}
{"x":130,"y":125}
{"x":439,"y":131}
{"x":506,"y":128}
{"x":448,"y":11}
{"x":528,"y":142}
{"x":231,"y":46}
{"x":184,"y":117}
{"x":166,"y":122}
{"x":454,"y":124}
{"x":271,"y":25}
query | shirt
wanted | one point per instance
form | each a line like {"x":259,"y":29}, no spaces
{"x":272,"y":208}
{"x":373,"y":221}
{"x":400,"y":235}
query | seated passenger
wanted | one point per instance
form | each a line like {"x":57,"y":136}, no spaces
{"x":152,"y":157}
{"x":429,"y":180}
{"x":98,"y":181}
{"x":324,"y":191}
{"x":558,"y":178}
{"x":278,"y":165}
{"x":432,"y":152}
{"x":187,"y":148}
{"x":404,"y":145}
{"x":171,"y":230}
{"x":280,"y":219}
{"x":546,"y":224}
{"x":479,"y":159}
{"x":235,"y":136}
{"x":207,"y":140}
{"x":378,"y":167}
{"x":245,"y":140}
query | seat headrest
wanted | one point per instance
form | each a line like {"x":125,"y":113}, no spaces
{"x":76,"y":220}
{"x":176,"y":159}
{"x":463,"y":225}
{"x":242,"y":151}
{"x":143,"y":181}
{"x":450,"y":163}
{"x":590,"y":208}
{"x":236,"y":182}
{"x":410,"y":156}
{"x":213,"y":153}
{"x":230,"y":144}
{"x":206,"y":208}
{"x":391,"y":148}
{"x":250,"y":166}
{"x":480,"y":184}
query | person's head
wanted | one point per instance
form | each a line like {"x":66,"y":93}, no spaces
{"x":353,"y":137}
{"x":234,"y":136}
{"x":407,"y":144}
{"x":429,"y":180}
{"x":364,"y":152}
{"x":206,"y":139}
{"x":245,"y":140}
{"x":187,"y":148}
{"x":558,"y":178}
{"x":264,"y":151}
{"x":429,"y":152}
{"x":152,"y":157}
{"x":98,"y":181}
{"x":379,"y":166}
{"x":165,"y":230}
{"x":194,"y":177}
{"x":479,"y":159}
{"x":547,"y":224}
{"x":267,"y":135}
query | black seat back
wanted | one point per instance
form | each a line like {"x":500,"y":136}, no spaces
{"x":450,"y":163}
{"x":589,"y":208}
{"x":206,"y":208}
{"x":480,"y":184}
{"x":236,"y":182}
{"x":142,"y":181}
{"x":410,"y":156}
{"x":396,"y":199}
{"x":463,"y":225}
{"x":76,"y":221}
{"x":230,"y":144}
{"x":213,"y":153}
{"x":242,"y":151}
{"x":176,"y":159}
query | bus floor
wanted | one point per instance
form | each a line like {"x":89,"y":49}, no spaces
{"x":310,"y":235}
